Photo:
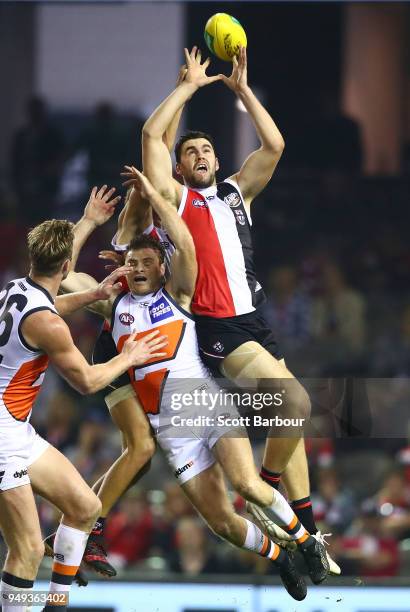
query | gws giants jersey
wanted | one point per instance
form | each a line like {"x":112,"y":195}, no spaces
{"x":145,"y":314}
{"x":221,"y":228}
{"x":22,"y":367}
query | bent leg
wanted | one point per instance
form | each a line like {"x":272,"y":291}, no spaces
{"x":139,"y":444}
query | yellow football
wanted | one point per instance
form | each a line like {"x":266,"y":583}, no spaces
{"x":224,"y":35}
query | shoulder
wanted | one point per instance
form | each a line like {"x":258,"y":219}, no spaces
{"x":45,"y":328}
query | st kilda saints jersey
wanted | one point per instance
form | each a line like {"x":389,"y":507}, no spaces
{"x":221,"y":228}
{"x":22,"y":367}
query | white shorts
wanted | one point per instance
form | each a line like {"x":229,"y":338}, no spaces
{"x":187,"y":436}
{"x":20,"y":447}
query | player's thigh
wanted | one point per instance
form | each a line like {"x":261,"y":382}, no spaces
{"x":208,"y":494}
{"x":19,"y":521}
{"x":251,"y":360}
{"x":132,"y":422}
{"x":57,"y":480}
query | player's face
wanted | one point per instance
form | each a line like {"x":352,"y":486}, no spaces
{"x":198,"y":163}
{"x":148,"y":272}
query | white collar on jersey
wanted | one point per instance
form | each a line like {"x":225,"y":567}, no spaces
{"x":143,"y":300}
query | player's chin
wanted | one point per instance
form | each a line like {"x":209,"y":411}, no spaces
{"x":202,"y":181}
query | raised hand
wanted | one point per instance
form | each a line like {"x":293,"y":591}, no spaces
{"x":116,"y":258}
{"x":139,"y":181}
{"x":181,"y":75}
{"x":101,"y":205}
{"x":196,"y":71}
{"x":111,"y":285}
{"x":238,"y":81}
{"x":146,"y":348}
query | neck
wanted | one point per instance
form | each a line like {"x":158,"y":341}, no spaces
{"x":50,"y":283}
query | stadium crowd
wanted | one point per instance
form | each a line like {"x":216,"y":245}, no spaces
{"x":333,"y":255}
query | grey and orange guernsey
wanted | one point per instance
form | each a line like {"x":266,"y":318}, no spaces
{"x":182,"y":401}
{"x":22,"y":370}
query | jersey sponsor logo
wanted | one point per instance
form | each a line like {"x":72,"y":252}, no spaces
{"x":160,"y":310}
{"x":126,"y":318}
{"x":218,"y":346}
{"x":210,"y":197}
{"x":240,"y":217}
{"x":232,"y":199}
{"x":183,"y":469}
{"x":59,"y":557}
{"x":20,"y":474}
{"x":199,"y":203}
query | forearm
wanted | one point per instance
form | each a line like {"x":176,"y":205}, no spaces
{"x":161,"y":119}
{"x":176,"y":228}
{"x":134,"y":219}
{"x":171,"y":132}
{"x":267,"y":130}
{"x":82,"y":230}
{"x":69,"y":303}
{"x":102,"y":374}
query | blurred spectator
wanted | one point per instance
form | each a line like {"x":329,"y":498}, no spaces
{"x":339,"y":313}
{"x":107,"y":145}
{"x":332,"y":503}
{"x":37,"y":157}
{"x":364,"y":550}
{"x":288,"y":310}
{"x":393,"y":502}
{"x":193,"y":554}
{"x":129,"y":531}
{"x":391,"y":357}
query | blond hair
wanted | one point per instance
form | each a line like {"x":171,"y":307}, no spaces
{"x":50,"y":244}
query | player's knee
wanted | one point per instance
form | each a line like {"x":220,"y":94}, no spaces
{"x":301,"y":406}
{"x":249,"y":489}
{"x":141,"y":449}
{"x":222,"y":526}
{"x":88,"y":509}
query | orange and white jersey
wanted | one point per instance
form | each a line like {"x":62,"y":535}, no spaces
{"x":22,"y":367}
{"x":147,"y":313}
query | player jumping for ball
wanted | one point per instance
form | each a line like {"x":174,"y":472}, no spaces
{"x":233,"y":336}
{"x":199,"y":460}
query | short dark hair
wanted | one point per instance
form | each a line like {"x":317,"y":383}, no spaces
{"x":50,"y":244}
{"x":147,"y":242}
{"x":191,"y":135}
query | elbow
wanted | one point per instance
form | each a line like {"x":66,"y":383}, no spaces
{"x":148,"y":132}
{"x":277,"y":146}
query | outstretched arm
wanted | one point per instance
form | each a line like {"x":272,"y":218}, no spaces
{"x":155,"y":154}
{"x":136,"y":215}
{"x":183,"y":264}
{"x":259,"y":166}
{"x":48,"y":332}
{"x":98,"y":210}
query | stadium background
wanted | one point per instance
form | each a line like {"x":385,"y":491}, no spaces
{"x":331,"y":239}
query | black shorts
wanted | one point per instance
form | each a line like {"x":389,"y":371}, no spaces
{"x":217,"y":338}
{"x":104,"y":350}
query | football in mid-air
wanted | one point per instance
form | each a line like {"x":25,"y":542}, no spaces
{"x":224,"y":35}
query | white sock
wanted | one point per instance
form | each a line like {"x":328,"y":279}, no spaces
{"x":69,"y":546}
{"x":14,"y":586}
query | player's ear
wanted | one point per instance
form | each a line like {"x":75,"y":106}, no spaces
{"x":216,"y":164}
{"x":163,"y":271}
{"x":178,"y":169}
{"x":66,"y":268}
